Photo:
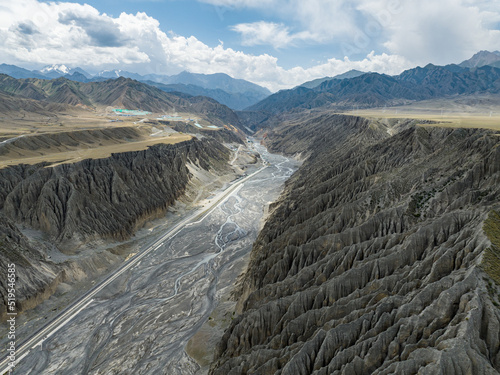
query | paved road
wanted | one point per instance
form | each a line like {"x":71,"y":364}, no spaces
{"x":139,"y":318}
{"x":72,"y":310}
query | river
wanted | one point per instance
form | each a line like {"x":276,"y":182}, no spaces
{"x":141,"y":323}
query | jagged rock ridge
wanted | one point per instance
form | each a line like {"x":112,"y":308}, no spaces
{"x":370,"y":262}
{"x":91,"y":199}
{"x":104,"y":197}
{"x":377,"y":90}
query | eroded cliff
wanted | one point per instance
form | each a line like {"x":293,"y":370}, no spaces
{"x":93,"y":199}
{"x":371,"y":260}
{"x":35,"y":278}
{"x":104,"y":197}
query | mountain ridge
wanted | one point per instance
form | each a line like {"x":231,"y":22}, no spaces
{"x":370,"y":259}
{"x":482,"y":58}
{"x":376,"y":90}
{"x":121,"y":93}
{"x":316,"y":82}
{"x":235,"y":93}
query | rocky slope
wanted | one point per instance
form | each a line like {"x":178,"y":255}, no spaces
{"x":377,"y":90}
{"x":38,"y":144}
{"x":9,"y":104}
{"x":92,"y":199}
{"x":371,"y":259}
{"x":35,"y":278}
{"x":104,"y":197}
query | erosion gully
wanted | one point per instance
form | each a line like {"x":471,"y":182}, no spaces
{"x":141,"y":323}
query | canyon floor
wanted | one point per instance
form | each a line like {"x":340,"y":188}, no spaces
{"x":143,"y":321}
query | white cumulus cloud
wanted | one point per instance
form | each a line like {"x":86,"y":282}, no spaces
{"x":318,"y":21}
{"x":79,"y":35}
{"x":442,"y":31}
{"x":274,"y":34}
{"x":423,"y":31}
{"x":70,"y":33}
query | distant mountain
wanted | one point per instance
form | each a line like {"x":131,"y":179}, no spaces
{"x":482,"y":58}
{"x":17,"y":72}
{"x":80,"y":71}
{"x":235,"y":93}
{"x":120,"y":93}
{"x":110,"y":74}
{"x":55,"y":69}
{"x":235,"y":101}
{"x":77,"y":76}
{"x":350,"y":74}
{"x":119,"y":73}
{"x":61,"y":70}
{"x":218,"y":81}
{"x":375,"y":90}
{"x":316,"y":82}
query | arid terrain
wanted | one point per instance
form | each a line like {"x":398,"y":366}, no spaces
{"x":70,"y":137}
{"x":347,"y":225}
{"x":461,"y":112}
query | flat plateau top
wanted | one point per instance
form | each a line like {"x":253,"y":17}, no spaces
{"x":469,"y":112}
{"x":32,"y":137}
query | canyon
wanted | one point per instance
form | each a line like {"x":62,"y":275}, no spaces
{"x":373,"y":259}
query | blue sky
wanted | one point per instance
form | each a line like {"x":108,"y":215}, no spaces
{"x":275,"y":43}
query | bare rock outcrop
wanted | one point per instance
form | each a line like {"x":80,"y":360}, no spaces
{"x":35,"y":278}
{"x":91,"y":199}
{"x":104,"y":197}
{"x":371,"y":260}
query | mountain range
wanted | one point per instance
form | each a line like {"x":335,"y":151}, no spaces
{"x":482,"y":58}
{"x":479,"y":74}
{"x":121,"y":92}
{"x":378,"y":90}
{"x":234,"y":100}
{"x":316,"y":82}
{"x":235,"y":93}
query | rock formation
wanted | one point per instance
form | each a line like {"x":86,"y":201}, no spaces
{"x":104,"y":197}
{"x":35,"y":278}
{"x":371,"y":261}
{"x":91,"y":199}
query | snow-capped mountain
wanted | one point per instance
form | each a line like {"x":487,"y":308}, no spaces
{"x":61,"y":70}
